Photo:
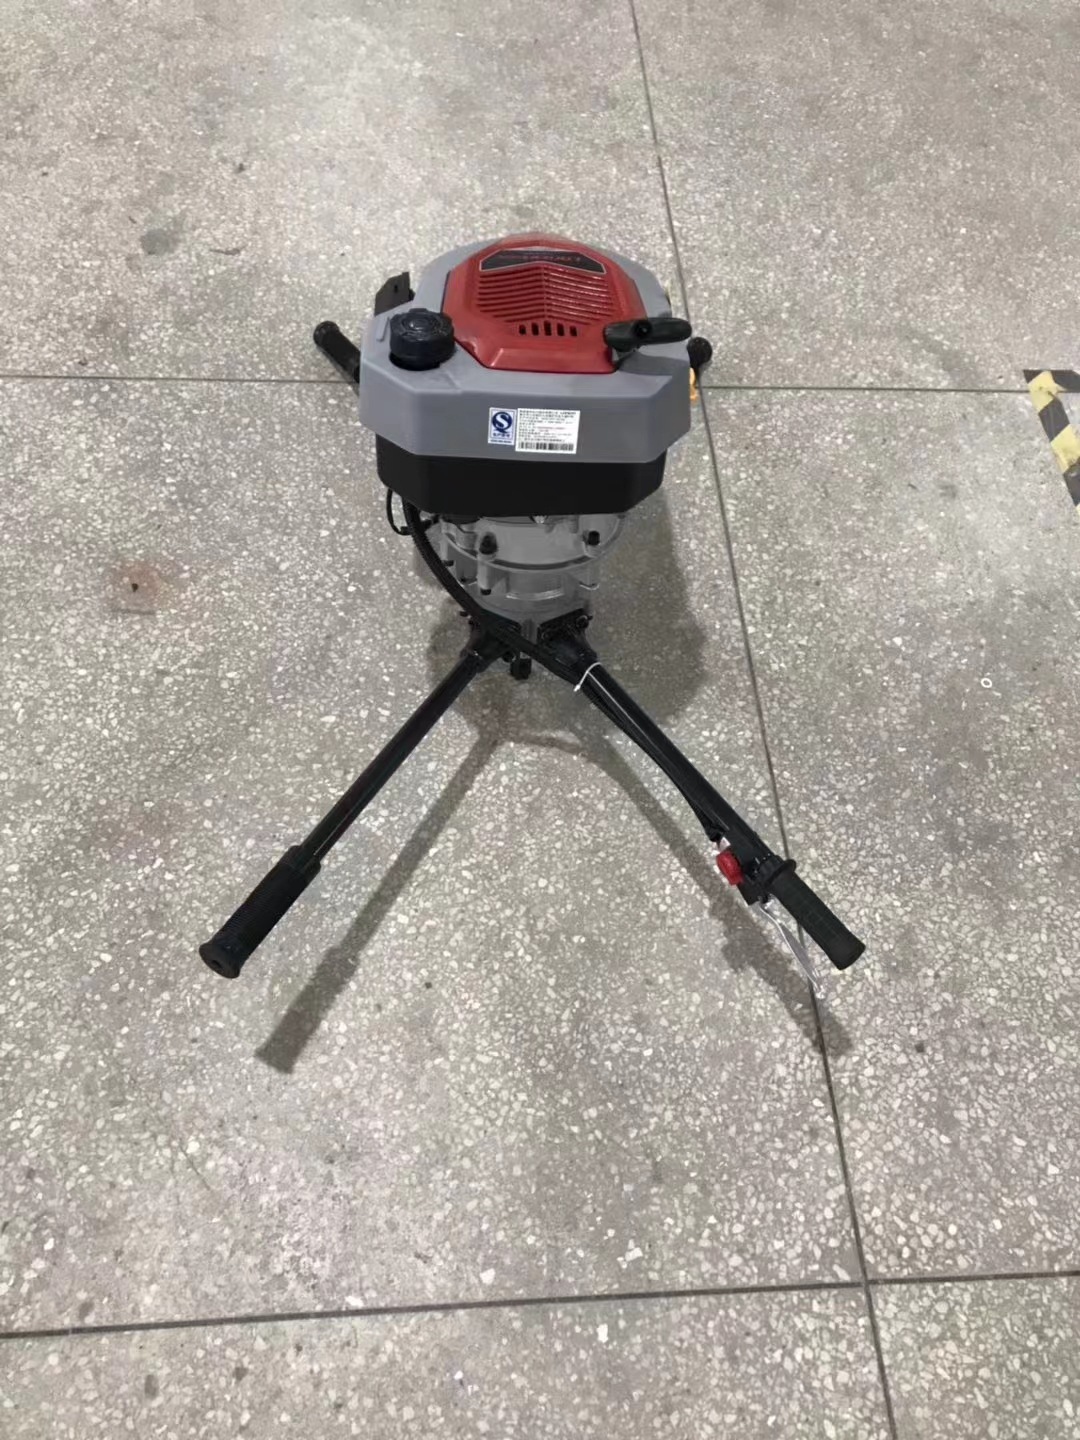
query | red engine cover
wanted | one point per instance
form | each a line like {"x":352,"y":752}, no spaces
{"x":538,"y":302}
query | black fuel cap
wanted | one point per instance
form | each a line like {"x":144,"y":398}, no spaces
{"x":421,"y":339}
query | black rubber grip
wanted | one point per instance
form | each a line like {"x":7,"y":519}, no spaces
{"x":626,"y":335}
{"x":839,"y":944}
{"x":248,"y":927}
{"x":337,"y":346}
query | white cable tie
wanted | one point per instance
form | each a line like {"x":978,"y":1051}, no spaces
{"x":584,"y":677}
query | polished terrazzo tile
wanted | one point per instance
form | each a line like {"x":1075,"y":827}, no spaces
{"x":910,"y":589}
{"x":751,"y":1365}
{"x":188,"y":191}
{"x":998,"y":1360}
{"x":858,"y":192}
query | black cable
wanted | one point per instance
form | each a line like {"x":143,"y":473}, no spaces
{"x":394,"y":526}
{"x":403,"y":529}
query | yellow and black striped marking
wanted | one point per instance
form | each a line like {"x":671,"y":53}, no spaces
{"x":1045,"y":388}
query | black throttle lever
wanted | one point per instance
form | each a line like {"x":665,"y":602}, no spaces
{"x":626,"y":336}
{"x":773,"y":879}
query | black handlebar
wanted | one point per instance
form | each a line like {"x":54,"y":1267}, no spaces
{"x":810,"y":911}
{"x":337,"y":346}
{"x":256,"y":916}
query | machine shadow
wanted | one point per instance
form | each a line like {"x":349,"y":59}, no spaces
{"x":659,"y":655}
{"x":290,"y":1036}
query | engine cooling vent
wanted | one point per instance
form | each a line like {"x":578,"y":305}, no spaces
{"x":543,"y":293}
{"x":539,"y":303}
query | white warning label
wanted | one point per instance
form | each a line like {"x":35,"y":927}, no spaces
{"x":548,"y":430}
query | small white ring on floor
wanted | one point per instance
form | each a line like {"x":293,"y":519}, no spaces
{"x":584,"y":677}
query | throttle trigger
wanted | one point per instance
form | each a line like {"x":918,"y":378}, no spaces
{"x":794,"y":945}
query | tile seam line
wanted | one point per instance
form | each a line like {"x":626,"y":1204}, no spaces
{"x":822,"y":1044}
{"x":853,"y":1216}
{"x":856,"y":1227}
{"x":98,"y":378}
{"x":980,"y":1277}
{"x":794,"y":388}
{"x":529,"y":1302}
{"x":681,"y":278}
{"x":441,"y":1307}
{"x":717,"y":387}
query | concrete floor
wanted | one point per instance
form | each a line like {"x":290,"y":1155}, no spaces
{"x":518,"y":1126}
